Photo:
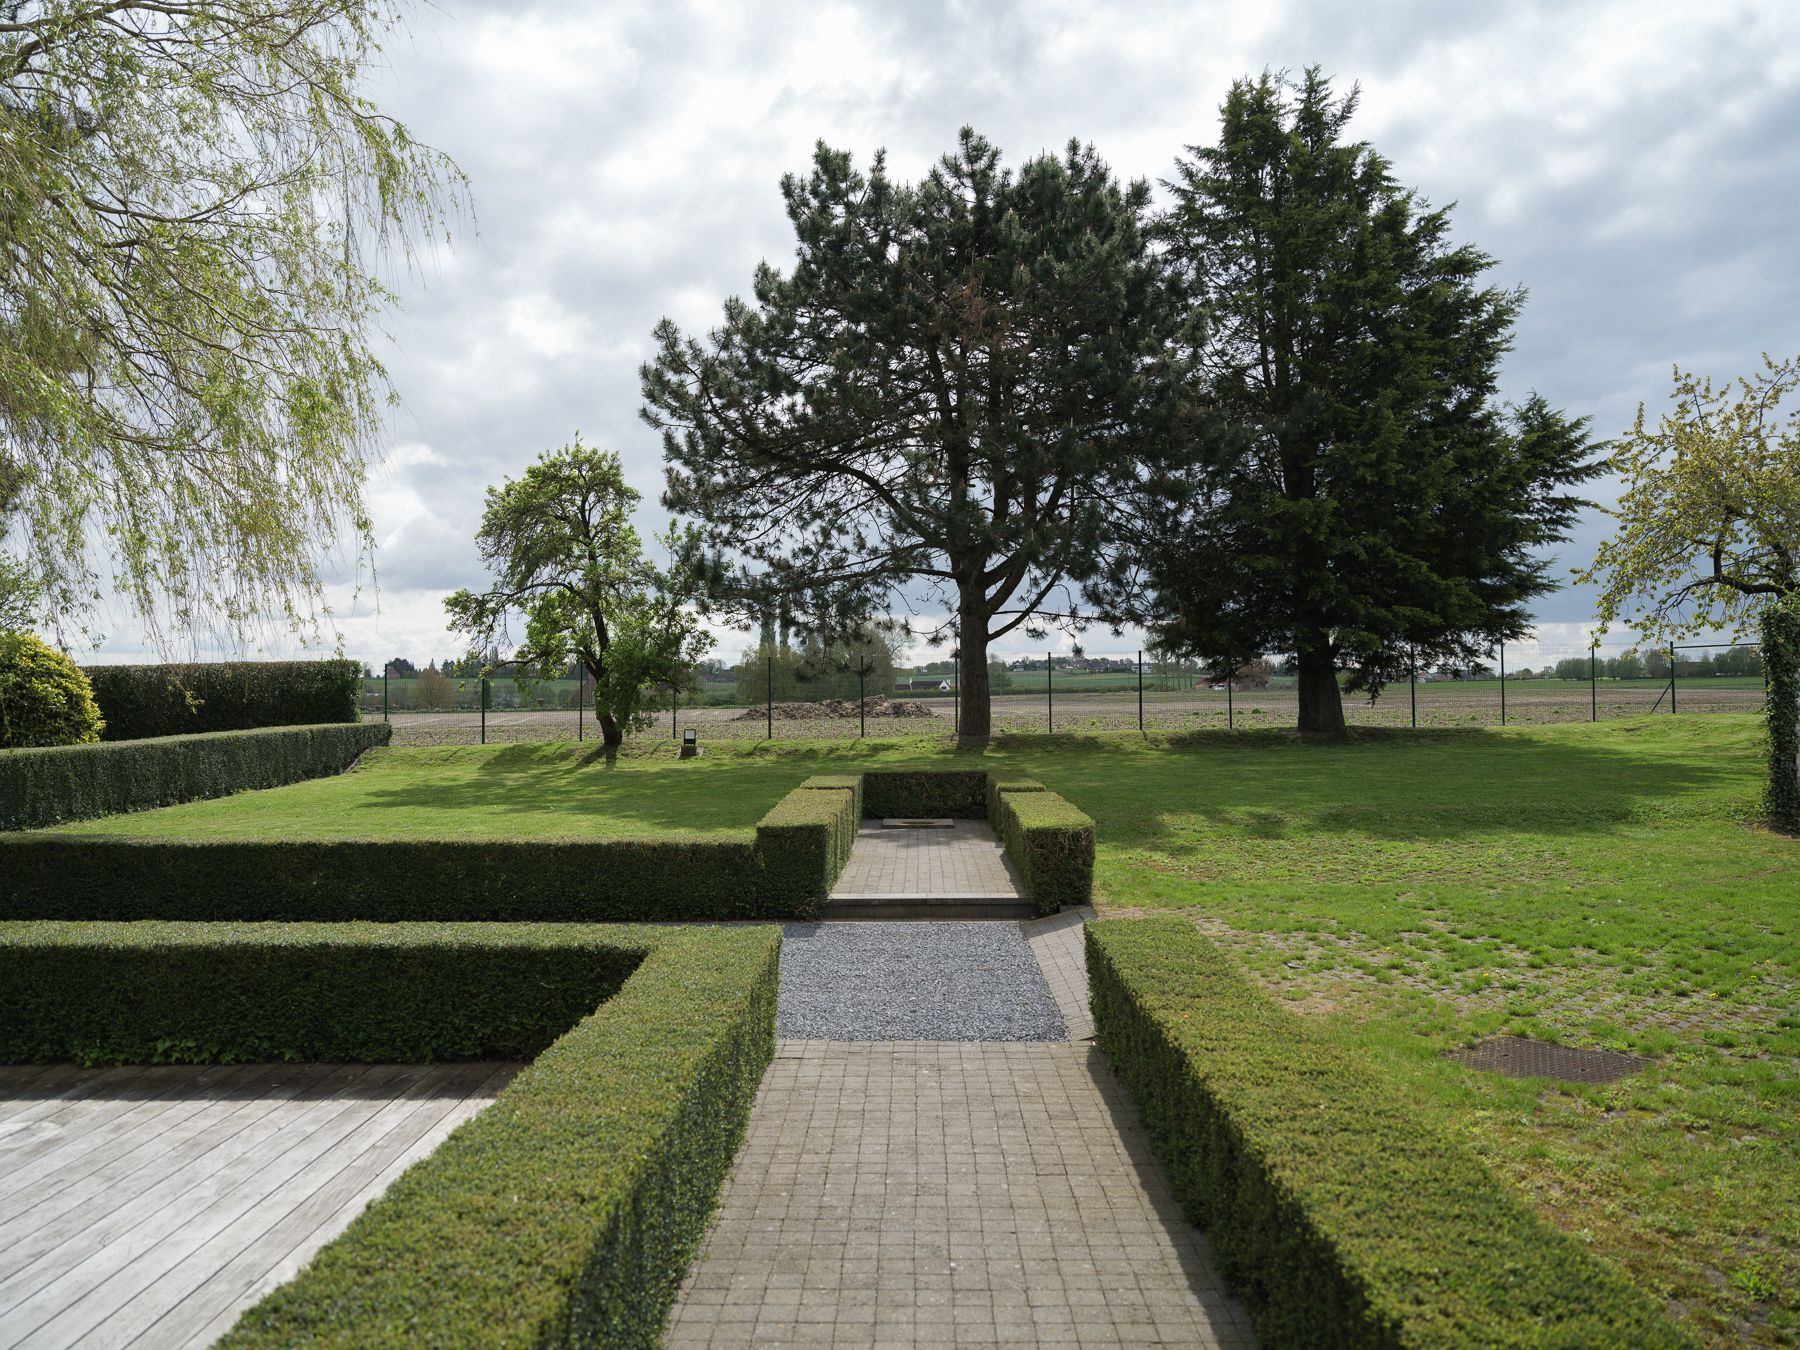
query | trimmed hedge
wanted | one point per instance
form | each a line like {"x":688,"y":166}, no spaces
{"x":1050,"y":841}
{"x":78,"y":782}
{"x":804,"y":842}
{"x":1337,"y":1215}
{"x":958,"y":793}
{"x":785,"y":871}
{"x":850,"y":782}
{"x":997,"y":785}
{"x":114,"y":993}
{"x":178,"y":700}
{"x":568,"y":1211}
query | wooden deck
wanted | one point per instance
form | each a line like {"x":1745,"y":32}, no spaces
{"x":150,"y":1206}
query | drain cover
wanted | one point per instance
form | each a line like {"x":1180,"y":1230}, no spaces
{"x":1519,"y":1057}
{"x":918,"y":823}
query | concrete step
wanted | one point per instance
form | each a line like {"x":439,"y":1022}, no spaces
{"x":1008,"y":907}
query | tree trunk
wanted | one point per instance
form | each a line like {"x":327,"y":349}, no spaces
{"x":1321,"y":701}
{"x":972,"y":678}
{"x":610,"y":735}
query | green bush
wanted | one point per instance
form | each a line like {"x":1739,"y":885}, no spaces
{"x":565,"y":1213}
{"x":114,"y":993}
{"x":44,"y":698}
{"x":957,"y":793}
{"x":803,"y":843}
{"x":996,"y":785}
{"x":851,"y":782}
{"x":79,"y":782}
{"x":179,"y":700}
{"x":1336,"y":1213}
{"x":1050,"y":841}
{"x":785,"y":872}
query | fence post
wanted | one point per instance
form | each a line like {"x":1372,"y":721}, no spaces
{"x":769,"y":704}
{"x":1594,"y":682}
{"x":1050,"y":690}
{"x":674,"y":710}
{"x":1671,"y":679}
{"x":384,"y":696}
{"x":1140,"y":675}
{"x":1502,"y":684}
{"x":484,"y":710}
{"x":862,"y":698}
{"x":1413,"y":687}
{"x":1230,"y":717}
{"x":580,"y":689}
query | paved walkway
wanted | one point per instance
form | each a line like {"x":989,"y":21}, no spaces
{"x":965,"y":861}
{"x":150,"y":1206}
{"x":913,"y":1193}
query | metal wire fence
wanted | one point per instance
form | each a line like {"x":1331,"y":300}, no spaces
{"x":1094,"y":692}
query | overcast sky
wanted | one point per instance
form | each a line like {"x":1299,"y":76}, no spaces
{"x":1635,"y":165}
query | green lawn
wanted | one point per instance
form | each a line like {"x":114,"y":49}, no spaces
{"x":1598,"y":884}
{"x":481,"y":792}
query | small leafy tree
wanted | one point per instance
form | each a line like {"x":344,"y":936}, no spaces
{"x":44,"y":697}
{"x":566,"y":558}
{"x":1379,"y":506}
{"x":433,"y":691}
{"x":1708,"y":535}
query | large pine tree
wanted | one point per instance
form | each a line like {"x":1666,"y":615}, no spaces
{"x":1380,"y":504}
{"x":948,"y":393}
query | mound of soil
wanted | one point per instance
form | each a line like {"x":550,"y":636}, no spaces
{"x":838,"y":707}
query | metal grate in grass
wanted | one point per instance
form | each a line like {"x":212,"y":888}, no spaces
{"x":1521,"y":1057}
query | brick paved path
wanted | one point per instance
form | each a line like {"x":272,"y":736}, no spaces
{"x":965,"y":860}
{"x":910,"y":1193}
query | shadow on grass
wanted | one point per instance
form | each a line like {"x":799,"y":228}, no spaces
{"x":1389,"y":785}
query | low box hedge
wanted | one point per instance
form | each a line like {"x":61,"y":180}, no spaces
{"x":958,"y":793}
{"x":803,"y":843}
{"x":180,"y":700}
{"x":1336,"y":1213}
{"x":79,"y":782}
{"x":997,"y":784}
{"x":850,"y":782}
{"x":566,"y":1212}
{"x":785,"y":870}
{"x":1050,"y":841}
{"x":135,"y":993}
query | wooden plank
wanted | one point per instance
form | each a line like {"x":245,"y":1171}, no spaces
{"x":55,"y":1253}
{"x":214,"y":1285}
{"x":87,"y":1293}
{"x":142,"y":1116}
{"x":135,"y":1163}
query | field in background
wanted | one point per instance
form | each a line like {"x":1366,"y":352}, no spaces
{"x":1445,"y":703}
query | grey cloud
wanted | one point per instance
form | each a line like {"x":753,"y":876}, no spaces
{"x":626,"y":167}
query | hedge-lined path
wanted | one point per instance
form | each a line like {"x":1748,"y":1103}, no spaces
{"x":920,"y":1193}
{"x":150,"y":1206}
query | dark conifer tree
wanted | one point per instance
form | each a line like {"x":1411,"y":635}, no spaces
{"x":1379,"y":503}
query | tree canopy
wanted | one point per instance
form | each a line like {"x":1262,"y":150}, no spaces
{"x":1708,"y":531}
{"x":567,"y":559}
{"x":943,"y":402}
{"x":195,"y":202}
{"x":1376,"y":505}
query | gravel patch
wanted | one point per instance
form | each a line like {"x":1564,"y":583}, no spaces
{"x":913,"y":982}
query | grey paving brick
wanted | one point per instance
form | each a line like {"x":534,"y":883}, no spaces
{"x":959,"y":1193}
{"x":965,"y":861}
